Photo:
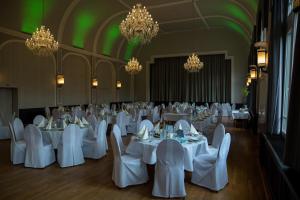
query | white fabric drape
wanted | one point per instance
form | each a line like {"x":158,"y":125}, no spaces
{"x":18,"y":129}
{"x":17,"y":148}
{"x":169,"y":170}
{"x":38,"y":154}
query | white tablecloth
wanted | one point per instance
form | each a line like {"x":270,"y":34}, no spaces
{"x":175,"y":116}
{"x":147,"y":150}
{"x":55,"y":135}
{"x":236,"y":114}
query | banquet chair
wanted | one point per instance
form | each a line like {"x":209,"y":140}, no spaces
{"x":18,"y":129}
{"x":96,"y":148}
{"x":155,"y":115}
{"x":121,"y":121}
{"x":92,"y":121}
{"x":169,"y":170}
{"x":211,"y":171}
{"x":38,"y":154}
{"x":69,"y":151}
{"x":218,"y":136}
{"x":147,"y":123}
{"x":127,"y":169}
{"x":17,"y":148}
{"x":39,"y":119}
{"x":184,"y":124}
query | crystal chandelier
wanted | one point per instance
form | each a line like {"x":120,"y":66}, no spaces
{"x":139,"y":24}
{"x":133,"y":66}
{"x":193,"y":64}
{"x":42,"y":42}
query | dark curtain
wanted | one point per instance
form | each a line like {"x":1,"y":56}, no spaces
{"x":292,"y":149}
{"x":277,"y":49}
{"x":171,"y":82}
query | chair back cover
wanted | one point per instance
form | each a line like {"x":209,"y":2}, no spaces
{"x":18,"y":129}
{"x":117,"y":133}
{"x":169,"y":170}
{"x":219,"y":134}
{"x":147,"y":123}
{"x":55,"y":114}
{"x":224,"y":148}
{"x":33,"y":137}
{"x":184,"y":124}
{"x":92,"y":120}
{"x":12,"y":133}
{"x":47,"y":112}
{"x":116,"y":142}
{"x":38,"y":119}
{"x":121,"y":121}
{"x":71,"y":152}
{"x":101,"y":132}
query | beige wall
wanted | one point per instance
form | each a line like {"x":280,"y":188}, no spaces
{"x":203,"y":41}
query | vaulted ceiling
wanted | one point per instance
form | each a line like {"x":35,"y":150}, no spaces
{"x":94,"y":24}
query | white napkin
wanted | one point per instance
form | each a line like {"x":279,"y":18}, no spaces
{"x":193,"y":130}
{"x":84,"y":121}
{"x":80,"y":123}
{"x":76,"y":120}
{"x":49,"y":125}
{"x":145,"y":135}
{"x":41,"y":124}
{"x":102,"y":112}
{"x":180,"y":127}
{"x":156,"y":128}
{"x":64,"y":124}
{"x":141,"y":132}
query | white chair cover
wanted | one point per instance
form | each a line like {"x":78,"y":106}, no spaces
{"x":96,"y":148}
{"x":117,"y":131}
{"x":169,"y":170}
{"x":218,"y":136}
{"x":38,"y":154}
{"x":55,"y":114}
{"x":17,"y":148}
{"x":92,"y":121}
{"x":184,"y":124}
{"x":121,"y":121}
{"x":211,"y":171}
{"x":47,"y":112}
{"x":127,"y":170}
{"x":155,"y":115}
{"x":147,"y":123}
{"x":69,"y":152}
{"x":18,"y":129}
{"x":38,"y":119}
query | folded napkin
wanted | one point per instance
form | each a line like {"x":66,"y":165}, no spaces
{"x":141,"y":132}
{"x":42,"y":123}
{"x":180,"y":127}
{"x":64,"y":124}
{"x":84,"y":121}
{"x":193,"y":130}
{"x":80,"y":123}
{"x":145,"y":135}
{"x":156,"y":127}
{"x":76,"y":120}
{"x":102,"y":112}
{"x":49,"y":125}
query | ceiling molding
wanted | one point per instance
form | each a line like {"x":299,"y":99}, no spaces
{"x":200,"y":14}
{"x":65,"y":18}
{"x":251,"y":15}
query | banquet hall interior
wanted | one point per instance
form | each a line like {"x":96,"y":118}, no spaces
{"x":149,"y":99}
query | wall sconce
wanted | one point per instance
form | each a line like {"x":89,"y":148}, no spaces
{"x":248,"y":82}
{"x":119,"y":84}
{"x":262,"y":58}
{"x":60,"y":80}
{"x":296,"y":5}
{"x":253,"y":72}
{"x":94,"y":82}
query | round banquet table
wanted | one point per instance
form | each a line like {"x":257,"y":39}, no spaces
{"x":147,"y":150}
{"x":54,"y":135}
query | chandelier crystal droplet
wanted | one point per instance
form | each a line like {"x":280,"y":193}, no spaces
{"x":139,"y":24}
{"x":42,"y":42}
{"x":133,"y":66}
{"x":193,"y":64}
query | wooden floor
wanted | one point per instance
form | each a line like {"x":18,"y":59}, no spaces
{"x":93,"y":179}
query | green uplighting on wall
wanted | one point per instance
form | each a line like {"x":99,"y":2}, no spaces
{"x":32,"y":14}
{"x":253,"y":4}
{"x":236,"y":27}
{"x":111,"y":35}
{"x":239,"y":14}
{"x":84,"y":21}
{"x":132,"y":44}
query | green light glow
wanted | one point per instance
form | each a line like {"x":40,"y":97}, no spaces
{"x":111,"y":35}
{"x":33,"y":14}
{"x":253,"y":4}
{"x":236,"y":27}
{"x":132,"y":44}
{"x":239,"y":14}
{"x":84,"y":21}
